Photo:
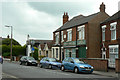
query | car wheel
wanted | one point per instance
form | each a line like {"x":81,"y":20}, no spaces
{"x":26,"y":63}
{"x":20,"y":63}
{"x":62,"y":68}
{"x":50,"y":66}
{"x":40,"y":65}
{"x":76,"y":70}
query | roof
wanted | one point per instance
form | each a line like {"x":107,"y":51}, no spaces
{"x":113,"y":17}
{"x":76,"y":21}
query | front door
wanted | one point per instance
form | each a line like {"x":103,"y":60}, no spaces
{"x":82,"y":52}
{"x":113,"y":54}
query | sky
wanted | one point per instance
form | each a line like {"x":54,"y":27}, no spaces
{"x":40,"y":18}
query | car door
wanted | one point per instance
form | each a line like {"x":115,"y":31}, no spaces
{"x":47,"y":62}
{"x":43,"y":62}
{"x":70,"y":64}
{"x":65,"y":63}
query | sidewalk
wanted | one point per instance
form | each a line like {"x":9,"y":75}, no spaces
{"x":109,"y":74}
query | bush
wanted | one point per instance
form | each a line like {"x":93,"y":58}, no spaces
{"x":16,"y":50}
{"x":6,"y":54}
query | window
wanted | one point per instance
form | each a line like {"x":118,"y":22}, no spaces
{"x":69,"y":35}
{"x":57,"y":38}
{"x":53,"y":53}
{"x":103,"y":34}
{"x":113,"y":30}
{"x":56,"y":52}
{"x":81,"y":30}
{"x":62,"y":36}
{"x":40,"y":53}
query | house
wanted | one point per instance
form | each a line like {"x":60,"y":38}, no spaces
{"x":80,"y":36}
{"x":44,"y":47}
{"x":110,"y":29}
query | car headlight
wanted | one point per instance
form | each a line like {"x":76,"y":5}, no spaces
{"x":82,"y":67}
{"x":29,"y":61}
{"x":92,"y":67}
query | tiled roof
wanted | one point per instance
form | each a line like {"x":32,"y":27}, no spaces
{"x":113,"y":17}
{"x":75,"y":21}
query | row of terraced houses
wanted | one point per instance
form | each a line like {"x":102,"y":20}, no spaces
{"x":93,"y":36}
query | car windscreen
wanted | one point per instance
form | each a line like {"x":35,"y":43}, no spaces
{"x":52,"y":60}
{"x":78,"y":61}
{"x":30,"y":58}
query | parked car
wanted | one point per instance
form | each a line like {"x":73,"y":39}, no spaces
{"x":49,"y":63}
{"x":76,"y":65}
{"x":27,"y":60}
{"x":1,"y":59}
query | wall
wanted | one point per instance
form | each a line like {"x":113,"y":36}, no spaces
{"x":94,"y":30}
{"x":98,"y":63}
{"x":117,"y":69}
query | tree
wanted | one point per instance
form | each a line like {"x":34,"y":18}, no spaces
{"x":7,"y":41}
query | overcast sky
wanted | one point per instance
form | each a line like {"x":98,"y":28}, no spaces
{"x":40,"y":19}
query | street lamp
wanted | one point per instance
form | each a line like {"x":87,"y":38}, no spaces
{"x":11,"y":41}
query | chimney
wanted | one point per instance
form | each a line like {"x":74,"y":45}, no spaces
{"x":65,"y":18}
{"x":102,"y":7}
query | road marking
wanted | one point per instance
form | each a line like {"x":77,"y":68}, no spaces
{"x":7,"y":75}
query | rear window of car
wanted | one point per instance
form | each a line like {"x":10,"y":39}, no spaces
{"x":66,"y":60}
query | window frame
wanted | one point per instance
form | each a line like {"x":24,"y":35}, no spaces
{"x":113,"y":30}
{"x":81,"y":32}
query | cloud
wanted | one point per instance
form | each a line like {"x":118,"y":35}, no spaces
{"x":26,"y":20}
{"x":40,"y":19}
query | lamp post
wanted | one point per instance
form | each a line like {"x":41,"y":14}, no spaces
{"x":11,"y":41}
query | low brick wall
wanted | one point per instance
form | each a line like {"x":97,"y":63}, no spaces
{"x":117,"y":67}
{"x":98,"y":63}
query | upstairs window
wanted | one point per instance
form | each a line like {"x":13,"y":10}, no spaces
{"x":81,"y":30}
{"x":113,"y":30}
{"x":57,"y":37}
{"x":103,"y":32}
{"x":62,"y":36}
{"x":69,"y":35}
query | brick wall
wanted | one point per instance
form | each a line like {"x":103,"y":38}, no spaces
{"x":98,"y":64}
{"x":117,"y":62}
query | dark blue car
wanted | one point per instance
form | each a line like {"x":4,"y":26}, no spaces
{"x":49,"y":63}
{"x":76,"y":65}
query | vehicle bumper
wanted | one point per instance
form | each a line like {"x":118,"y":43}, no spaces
{"x":85,"y":70}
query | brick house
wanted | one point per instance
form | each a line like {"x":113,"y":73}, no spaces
{"x":80,"y":36}
{"x":110,"y":29}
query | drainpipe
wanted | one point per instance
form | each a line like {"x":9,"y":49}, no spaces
{"x":76,"y":43}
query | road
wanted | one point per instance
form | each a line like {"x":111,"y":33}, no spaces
{"x":16,"y":71}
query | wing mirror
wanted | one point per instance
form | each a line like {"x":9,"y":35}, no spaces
{"x":72,"y":61}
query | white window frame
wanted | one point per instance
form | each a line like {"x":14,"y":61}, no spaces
{"x":69,"y":35}
{"x":62,"y":40}
{"x":57,"y":38}
{"x":113,"y":28}
{"x":81,"y":30}
{"x":103,"y":31}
